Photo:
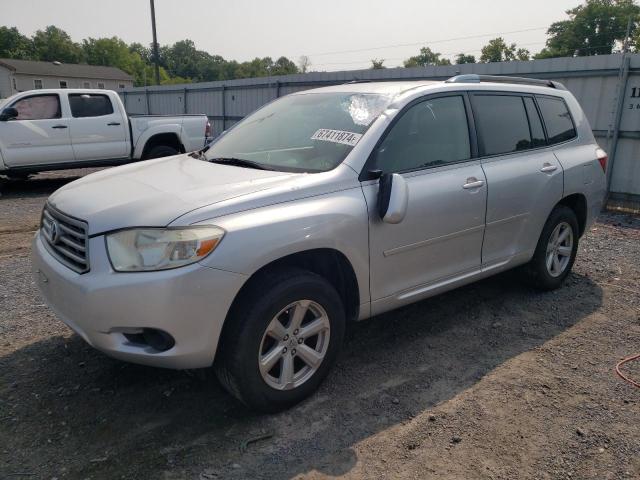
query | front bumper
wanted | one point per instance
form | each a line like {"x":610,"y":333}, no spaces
{"x":189,"y":303}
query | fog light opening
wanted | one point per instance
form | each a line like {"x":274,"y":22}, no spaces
{"x":154,"y":338}
{"x":157,"y":339}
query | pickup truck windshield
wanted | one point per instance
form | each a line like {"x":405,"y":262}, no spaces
{"x":301,"y":133}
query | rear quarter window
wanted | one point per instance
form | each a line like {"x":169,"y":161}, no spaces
{"x":557,"y":119}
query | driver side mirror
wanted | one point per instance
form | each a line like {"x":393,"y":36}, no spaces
{"x":8,"y":114}
{"x":393,"y":198}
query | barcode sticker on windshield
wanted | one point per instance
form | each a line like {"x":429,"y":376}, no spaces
{"x":337,"y":136}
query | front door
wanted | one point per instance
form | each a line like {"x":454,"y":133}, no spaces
{"x":440,"y":237}
{"x":39,"y":135}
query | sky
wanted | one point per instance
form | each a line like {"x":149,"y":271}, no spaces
{"x":334,"y":34}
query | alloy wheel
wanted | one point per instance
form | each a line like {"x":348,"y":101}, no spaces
{"x":294,"y":345}
{"x":559,"y":249}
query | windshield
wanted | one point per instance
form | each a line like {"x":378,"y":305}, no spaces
{"x":301,"y":133}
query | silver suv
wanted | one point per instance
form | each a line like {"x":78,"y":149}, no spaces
{"x":322,"y":208}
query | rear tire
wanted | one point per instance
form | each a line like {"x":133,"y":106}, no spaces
{"x":269,"y":358}
{"x":555,"y":252}
{"x":161,"y":151}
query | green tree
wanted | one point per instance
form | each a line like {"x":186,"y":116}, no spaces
{"x":377,"y":64}
{"x":112,"y":52}
{"x":594,"y":28}
{"x":15,"y":45}
{"x":426,"y":57}
{"x":497,"y":50}
{"x":283,"y":66}
{"x":523,"y":55}
{"x":462,"y":58}
{"x":53,"y":44}
{"x":141,"y":50}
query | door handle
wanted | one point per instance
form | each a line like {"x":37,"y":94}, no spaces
{"x":59,"y":126}
{"x":548,"y":168}
{"x":473,"y":182}
{"x":113,"y":124}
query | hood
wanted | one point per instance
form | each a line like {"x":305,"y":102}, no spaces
{"x":155,"y":192}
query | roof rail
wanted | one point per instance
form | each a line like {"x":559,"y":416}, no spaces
{"x":358,"y":80}
{"x":475,"y":78}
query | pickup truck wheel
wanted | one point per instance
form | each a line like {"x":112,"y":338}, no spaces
{"x":160,"y":151}
{"x":281,"y":342}
{"x":556,"y":250}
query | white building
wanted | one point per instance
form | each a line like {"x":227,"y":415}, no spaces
{"x":20,"y":75}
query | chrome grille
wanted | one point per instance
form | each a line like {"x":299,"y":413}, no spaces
{"x":66,"y":238}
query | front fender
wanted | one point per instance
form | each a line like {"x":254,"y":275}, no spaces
{"x":255,"y":238}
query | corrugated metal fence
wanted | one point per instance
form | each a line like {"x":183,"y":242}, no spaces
{"x":595,"y":81}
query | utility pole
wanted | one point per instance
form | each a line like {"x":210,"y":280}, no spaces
{"x":156,"y":57}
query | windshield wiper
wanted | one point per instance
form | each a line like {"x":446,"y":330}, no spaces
{"x":240,"y":162}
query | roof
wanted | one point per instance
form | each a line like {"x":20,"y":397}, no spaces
{"x":75,"y":70}
{"x":385,"y":88}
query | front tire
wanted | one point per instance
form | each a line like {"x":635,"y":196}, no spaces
{"x":556,"y":250}
{"x":281,"y":339}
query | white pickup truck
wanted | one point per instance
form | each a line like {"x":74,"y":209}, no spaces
{"x":69,"y":128}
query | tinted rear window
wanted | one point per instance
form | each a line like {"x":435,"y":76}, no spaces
{"x":502,"y":123}
{"x":85,"y":105}
{"x":557,"y":119}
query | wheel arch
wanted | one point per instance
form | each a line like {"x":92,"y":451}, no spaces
{"x":329,"y":263}
{"x":578,"y":203}
{"x":170,"y":139}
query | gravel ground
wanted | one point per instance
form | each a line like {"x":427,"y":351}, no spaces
{"x":492,"y":381}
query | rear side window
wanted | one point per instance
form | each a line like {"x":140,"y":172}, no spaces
{"x":431,"y":133}
{"x":85,"y":105}
{"x":557,"y":119}
{"x":535,"y":125}
{"x":502,"y":123}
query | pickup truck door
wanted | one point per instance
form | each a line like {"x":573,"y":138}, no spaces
{"x":440,"y":237}
{"x":99,"y":131}
{"x":40,"y":133}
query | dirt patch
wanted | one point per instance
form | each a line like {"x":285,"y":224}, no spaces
{"x":489,"y":381}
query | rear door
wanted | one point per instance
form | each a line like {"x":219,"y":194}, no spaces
{"x":523,"y":175}
{"x":441,"y":235}
{"x":98,"y":131}
{"x":40,"y":133}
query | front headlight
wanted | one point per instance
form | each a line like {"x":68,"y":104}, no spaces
{"x":147,"y":249}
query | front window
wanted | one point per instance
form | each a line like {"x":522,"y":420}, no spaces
{"x":301,"y":133}
{"x":38,"y":107}
{"x":37,"y":84}
{"x":63,"y":84}
{"x":431,"y":133}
